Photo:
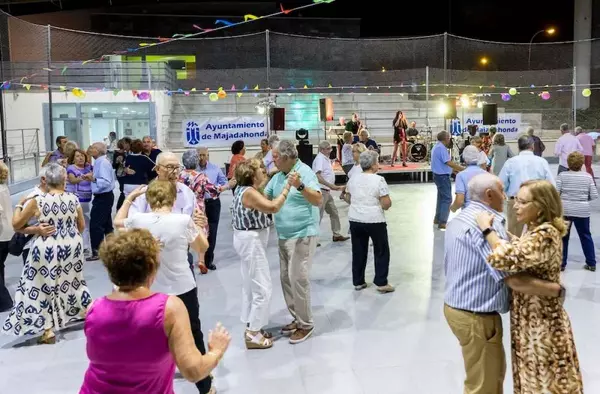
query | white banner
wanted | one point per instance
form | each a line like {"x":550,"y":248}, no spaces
{"x":221,"y":132}
{"x":509,"y":124}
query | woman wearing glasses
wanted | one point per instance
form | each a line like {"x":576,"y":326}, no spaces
{"x":544,"y":358}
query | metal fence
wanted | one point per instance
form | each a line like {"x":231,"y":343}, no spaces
{"x":22,"y":155}
{"x":423,"y":68}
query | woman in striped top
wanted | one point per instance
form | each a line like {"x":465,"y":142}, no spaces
{"x":577,"y":189}
{"x":251,"y":221}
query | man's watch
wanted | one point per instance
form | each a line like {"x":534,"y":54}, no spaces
{"x":301,"y":187}
{"x":487,"y":231}
{"x":563,"y":292}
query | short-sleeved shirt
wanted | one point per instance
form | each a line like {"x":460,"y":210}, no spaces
{"x":587,"y":143}
{"x":347,"y":157}
{"x":184,"y":203}
{"x":323,"y":165}
{"x":268,"y":161}
{"x":365,"y":190}
{"x":174,"y":231}
{"x":298,"y":218}
{"x":357,"y":169}
{"x":463,"y":178}
{"x":439,"y":158}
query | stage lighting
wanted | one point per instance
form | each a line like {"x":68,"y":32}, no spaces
{"x":480,"y":104}
{"x":260,"y":109}
{"x":443,"y":108}
{"x":465,"y":101}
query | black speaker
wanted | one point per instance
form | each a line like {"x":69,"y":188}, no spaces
{"x":450,"y":104}
{"x":278,"y":120}
{"x":490,"y":114}
{"x":305,"y":154}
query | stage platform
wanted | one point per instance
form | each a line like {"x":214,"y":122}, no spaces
{"x":420,"y":172}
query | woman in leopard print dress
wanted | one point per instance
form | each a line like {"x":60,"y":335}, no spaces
{"x":544,"y":358}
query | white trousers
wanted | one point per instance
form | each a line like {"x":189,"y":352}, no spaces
{"x":85,"y":207}
{"x":251,"y":246}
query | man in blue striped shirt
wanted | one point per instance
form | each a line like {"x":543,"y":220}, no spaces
{"x":476,"y":293}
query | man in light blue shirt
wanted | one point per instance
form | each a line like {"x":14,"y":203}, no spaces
{"x":475,"y":293}
{"x":442,"y":167}
{"x":103,"y":184}
{"x":519,"y":169}
{"x":297,"y":224}
{"x":471,"y":156}
{"x":212,"y":203}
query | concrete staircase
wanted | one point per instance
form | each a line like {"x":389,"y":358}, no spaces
{"x":377,"y":110}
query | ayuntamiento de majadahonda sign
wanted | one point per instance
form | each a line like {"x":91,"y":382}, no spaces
{"x":222,"y":132}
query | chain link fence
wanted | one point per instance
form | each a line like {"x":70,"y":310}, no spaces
{"x":423,"y":68}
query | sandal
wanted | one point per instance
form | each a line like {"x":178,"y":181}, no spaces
{"x":202,"y":268}
{"x":257,"y":341}
{"x":47,"y":339}
{"x":266,"y":334}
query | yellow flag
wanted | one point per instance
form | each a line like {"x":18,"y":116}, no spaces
{"x":250,"y":17}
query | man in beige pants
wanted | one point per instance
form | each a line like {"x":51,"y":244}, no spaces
{"x":324,"y":170}
{"x":297,"y":225}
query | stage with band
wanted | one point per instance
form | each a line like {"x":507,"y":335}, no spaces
{"x":416,"y":172}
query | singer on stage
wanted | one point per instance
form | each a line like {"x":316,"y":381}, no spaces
{"x":400,"y":126}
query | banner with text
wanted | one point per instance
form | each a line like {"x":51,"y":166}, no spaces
{"x":221,"y":132}
{"x":509,"y":124}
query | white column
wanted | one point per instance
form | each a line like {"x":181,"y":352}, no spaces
{"x":582,"y":52}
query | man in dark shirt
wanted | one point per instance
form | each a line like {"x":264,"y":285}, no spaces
{"x":152,"y":154}
{"x":538,"y":145}
{"x":354,"y":124}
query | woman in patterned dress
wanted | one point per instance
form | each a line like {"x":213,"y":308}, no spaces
{"x":200,"y":185}
{"x":51,"y":291}
{"x":544,"y":357}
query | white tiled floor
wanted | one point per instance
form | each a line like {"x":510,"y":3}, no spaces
{"x":364,"y":342}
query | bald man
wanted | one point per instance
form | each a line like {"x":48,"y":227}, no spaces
{"x":103,"y":183}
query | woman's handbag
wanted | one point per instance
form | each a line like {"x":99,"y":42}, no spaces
{"x":17,"y":243}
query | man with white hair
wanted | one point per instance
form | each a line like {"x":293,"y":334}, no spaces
{"x":103,"y":183}
{"x":297,"y":224}
{"x":566,"y":145}
{"x":324,"y":170}
{"x":517,"y":170}
{"x":471,"y":156}
{"x":268,"y":159}
{"x":589,"y":145}
{"x":475,"y":293}
{"x":168,"y":168}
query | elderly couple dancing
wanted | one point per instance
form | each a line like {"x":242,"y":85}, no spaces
{"x":483,"y":263}
{"x":293,"y":196}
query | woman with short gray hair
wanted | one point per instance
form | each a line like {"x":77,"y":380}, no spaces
{"x":368,"y":196}
{"x":52,"y":291}
{"x":200,"y":185}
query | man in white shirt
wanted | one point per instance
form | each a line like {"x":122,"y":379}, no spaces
{"x":324,"y":170}
{"x":519,"y":169}
{"x":268,"y":159}
{"x":566,"y":145}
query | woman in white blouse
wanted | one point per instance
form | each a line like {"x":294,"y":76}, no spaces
{"x":357,"y":149}
{"x":6,"y":233}
{"x":577,"y":189}
{"x":368,"y":196}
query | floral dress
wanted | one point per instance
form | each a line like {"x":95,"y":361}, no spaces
{"x":544,"y":358}
{"x":51,"y":291}
{"x":200,"y":185}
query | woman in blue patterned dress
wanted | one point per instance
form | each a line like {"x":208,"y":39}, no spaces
{"x":51,"y":292}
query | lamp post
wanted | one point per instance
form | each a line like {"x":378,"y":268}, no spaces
{"x":550,"y":31}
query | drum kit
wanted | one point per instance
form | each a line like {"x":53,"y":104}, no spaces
{"x":420,"y":146}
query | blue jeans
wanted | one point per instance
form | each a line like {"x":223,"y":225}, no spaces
{"x":582,"y":225}
{"x":444,"y":198}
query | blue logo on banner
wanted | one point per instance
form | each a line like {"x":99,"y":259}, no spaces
{"x":192,"y":133}
{"x":455,"y":127}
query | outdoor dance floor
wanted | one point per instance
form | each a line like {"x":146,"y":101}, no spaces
{"x":364,"y":342}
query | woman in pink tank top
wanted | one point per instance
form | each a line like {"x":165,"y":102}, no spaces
{"x":135,"y":337}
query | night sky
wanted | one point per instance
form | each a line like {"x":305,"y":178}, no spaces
{"x":506,"y":20}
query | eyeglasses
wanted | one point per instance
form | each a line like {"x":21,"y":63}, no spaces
{"x":172,"y":168}
{"x":521,"y":202}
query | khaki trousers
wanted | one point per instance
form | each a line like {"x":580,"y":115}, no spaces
{"x":328,"y":205}
{"x":514,"y":227}
{"x":480,"y":337}
{"x":295,"y":257}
